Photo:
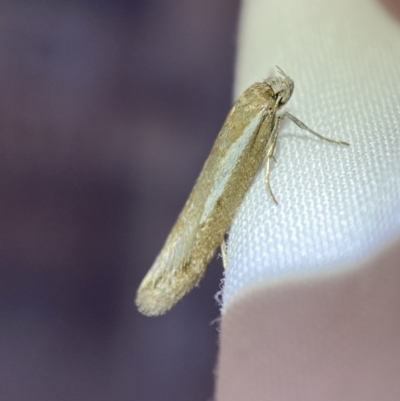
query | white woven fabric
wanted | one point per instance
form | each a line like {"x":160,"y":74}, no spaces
{"x":336,"y":204}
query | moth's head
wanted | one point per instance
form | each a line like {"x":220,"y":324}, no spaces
{"x":282,"y":86}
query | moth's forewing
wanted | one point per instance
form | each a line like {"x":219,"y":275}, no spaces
{"x":225,"y":178}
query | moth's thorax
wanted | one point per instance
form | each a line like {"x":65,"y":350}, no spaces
{"x":282,"y":86}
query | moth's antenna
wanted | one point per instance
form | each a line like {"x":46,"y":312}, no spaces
{"x":282,"y":72}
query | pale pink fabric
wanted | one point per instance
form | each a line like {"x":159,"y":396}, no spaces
{"x":326,"y":337}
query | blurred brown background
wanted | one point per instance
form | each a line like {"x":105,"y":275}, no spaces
{"x":107,"y":111}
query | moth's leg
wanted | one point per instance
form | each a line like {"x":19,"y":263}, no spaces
{"x":270,"y":155}
{"x":224,"y":254}
{"x":301,"y":125}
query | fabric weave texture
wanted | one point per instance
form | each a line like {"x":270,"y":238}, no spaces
{"x":337,"y":204}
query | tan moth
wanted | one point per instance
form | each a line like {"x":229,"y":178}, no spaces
{"x":246,"y":140}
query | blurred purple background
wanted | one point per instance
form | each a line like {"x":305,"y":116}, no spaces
{"x":107,"y":111}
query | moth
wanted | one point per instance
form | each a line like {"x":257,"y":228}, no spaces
{"x":246,"y":141}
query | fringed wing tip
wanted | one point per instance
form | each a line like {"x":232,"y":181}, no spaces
{"x":149,"y":302}
{"x":157,"y":295}
{"x":147,"y":307}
